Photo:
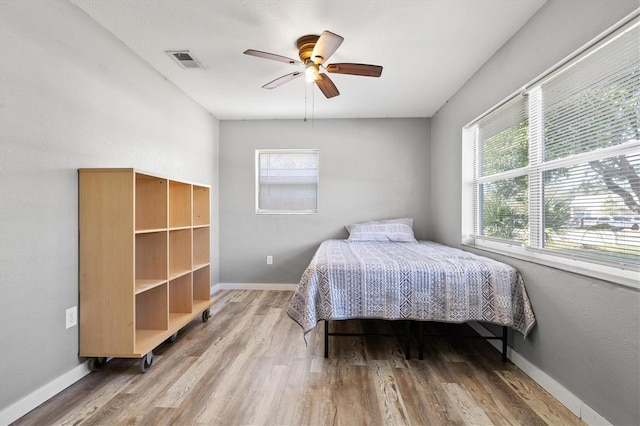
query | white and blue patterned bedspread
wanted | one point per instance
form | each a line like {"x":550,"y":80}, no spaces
{"x":422,"y":281}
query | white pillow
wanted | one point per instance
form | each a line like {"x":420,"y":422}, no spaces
{"x":398,"y":230}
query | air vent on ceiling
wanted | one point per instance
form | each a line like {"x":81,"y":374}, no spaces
{"x":184,"y":58}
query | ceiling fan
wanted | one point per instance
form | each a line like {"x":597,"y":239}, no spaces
{"x":313,"y":51}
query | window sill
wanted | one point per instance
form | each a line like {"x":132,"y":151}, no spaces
{"x":623,"y":277}
{"x":286,"y":212}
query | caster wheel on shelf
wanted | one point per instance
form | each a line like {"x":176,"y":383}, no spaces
{"x":206,"y":315}
{"x":96,"y":364}
{"x":146,"y":361}
{"x":173,"y":338}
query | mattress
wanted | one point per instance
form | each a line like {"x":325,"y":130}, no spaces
{"x":421,"y":281}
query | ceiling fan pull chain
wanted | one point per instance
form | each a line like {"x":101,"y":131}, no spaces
{"x":305,"y":103}
{"x":313,"y":106}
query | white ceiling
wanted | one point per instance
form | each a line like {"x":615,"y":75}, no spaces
{"x":428,"y":48}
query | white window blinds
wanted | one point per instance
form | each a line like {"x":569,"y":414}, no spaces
{"x":286,"y":181}
{"x":502,"y":183}
{"x":557,"y":167}
{"x":590,"y":168}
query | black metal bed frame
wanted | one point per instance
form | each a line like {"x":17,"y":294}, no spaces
{"x":406,"y":335}
{"x":421,"y":334}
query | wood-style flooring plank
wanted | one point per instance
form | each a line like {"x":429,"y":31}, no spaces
{"x":545,"y":406}
{"x":250,"y":365}
{"x":472,"y":413}
{"x":210,"y":359}
{"x":76,"y":404}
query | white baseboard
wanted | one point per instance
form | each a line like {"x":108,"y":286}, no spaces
{"x":253,"y":286}
{"x":559,"y":392}
{"x":21,"y":407}
{"x":590,"y":417}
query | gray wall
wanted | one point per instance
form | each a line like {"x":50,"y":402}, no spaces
{"x":72,"y":96}
{"x":587,"y":336}
{"x":369,"y":169}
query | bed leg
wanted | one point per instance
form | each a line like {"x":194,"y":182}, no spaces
{"x":326,"y":338}
{"x":504,"y":343}
{"x":420,"y":340}
{"x":407,"y":348}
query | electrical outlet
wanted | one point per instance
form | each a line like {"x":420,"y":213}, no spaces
{"x":72,"y":317}
{"x":269,"y":260}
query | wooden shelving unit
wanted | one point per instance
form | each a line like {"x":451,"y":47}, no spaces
{"x":144,"y":262}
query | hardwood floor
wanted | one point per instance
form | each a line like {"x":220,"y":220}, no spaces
{"x":249,"y":365}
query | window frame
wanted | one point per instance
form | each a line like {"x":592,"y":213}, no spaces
{"x":623,"y":274}
{"x":262,"y":211}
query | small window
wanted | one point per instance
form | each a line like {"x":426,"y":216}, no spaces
{"x":287,"y":181}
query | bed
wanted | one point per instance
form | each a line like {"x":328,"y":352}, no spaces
{"x":405,"y":279}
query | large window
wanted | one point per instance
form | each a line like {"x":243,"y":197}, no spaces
{"x":553,"y":173}
{"x":286,"y":181}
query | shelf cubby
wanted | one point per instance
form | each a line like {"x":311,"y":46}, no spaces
{"x":201,"y":203}
{"x":151,"y":202}
{"x":180,"y":295}
{"x":152,"y":309}
{"x":151,"y":256}
{"x":201,"y":284}
{"x":179,"y":205}
{"x":143,"y":285}
{"x":201,"y":247}
{"x":179,"y":252}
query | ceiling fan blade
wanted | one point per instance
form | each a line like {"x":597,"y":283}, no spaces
{"x":271,"y":56}
{"x":356,"y":69}
{"x":326,"y":45}
{"x":326,"y":86}
{"x":281,"y":80}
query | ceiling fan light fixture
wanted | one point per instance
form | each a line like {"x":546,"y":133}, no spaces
{"x":311,"y":72}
